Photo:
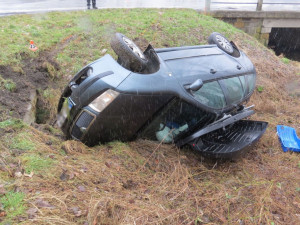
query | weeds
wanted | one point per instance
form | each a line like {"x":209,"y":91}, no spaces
{"x":260,"y":89}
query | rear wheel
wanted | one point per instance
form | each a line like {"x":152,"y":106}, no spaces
{"x":130,"y":55}
{"x":221,"y":42}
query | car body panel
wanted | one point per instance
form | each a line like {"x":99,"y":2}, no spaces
{"x":122,"y":120}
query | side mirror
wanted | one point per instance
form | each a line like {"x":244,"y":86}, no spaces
{"x":195,"y":86}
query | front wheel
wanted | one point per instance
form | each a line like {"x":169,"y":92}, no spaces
{"x":128,"y":52}
{"x":221,"y":42}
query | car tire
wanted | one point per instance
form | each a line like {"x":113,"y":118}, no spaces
{"x":222,"y":42}
{"x":130,"y":55}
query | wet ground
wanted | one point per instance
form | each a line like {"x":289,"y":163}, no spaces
{"x":8,"y":7}
{"x":34,"y":76}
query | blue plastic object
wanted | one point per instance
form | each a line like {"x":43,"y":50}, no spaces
{"x":288,"y":138}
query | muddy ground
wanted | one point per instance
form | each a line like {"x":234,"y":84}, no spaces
{"x":33,"y":75}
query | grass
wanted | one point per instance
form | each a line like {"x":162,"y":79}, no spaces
{"x":8,"y":84}
{"x":12,"y":123}
{"x":285,"y":60}
{"x":35,"y":163}
{"x":140,"y":182}
{"x":91,"y":30}
{"x":22,"y":141}
{"x":13,"y":204}
{"x":260,"y":88}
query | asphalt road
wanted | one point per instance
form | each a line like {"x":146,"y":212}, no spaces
{"x":8,"y":7}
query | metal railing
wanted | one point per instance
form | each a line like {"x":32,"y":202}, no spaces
{"x":259,"y":3}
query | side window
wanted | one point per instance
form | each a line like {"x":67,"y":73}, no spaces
{"x":211,"y":95}
{"x":234,"y":88}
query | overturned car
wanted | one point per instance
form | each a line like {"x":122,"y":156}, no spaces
{"x":191,"y":95}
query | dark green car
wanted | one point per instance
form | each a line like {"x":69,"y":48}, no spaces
{"x":191,"y":95}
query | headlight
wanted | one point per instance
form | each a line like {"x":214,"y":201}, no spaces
{"x":101,"y":102}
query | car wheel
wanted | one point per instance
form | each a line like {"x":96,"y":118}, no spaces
{"x":221,"y":42}
{"x":130,"y":55}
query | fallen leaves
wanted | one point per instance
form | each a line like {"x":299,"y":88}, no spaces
{"x":31,"y":212}
{"x":68,"y":175}
{"x":43,"y":204}
{"x":77,"y":211}
{"x":19,"y":174}
{"x":81,"y":188}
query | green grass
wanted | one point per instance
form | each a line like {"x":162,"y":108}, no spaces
{"x":35,"y":163}
{"x":260,"y":89}
{"x":88,"y":32}
{"x":8,"y":84}
{"x":22,"y":141}
{"x":285,"y":60}
{"x":12,"y":123}
{"x":12,"y":203}
{"x":117,"y":147}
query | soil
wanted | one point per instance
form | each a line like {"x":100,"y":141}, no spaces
{"x":34,"y":74}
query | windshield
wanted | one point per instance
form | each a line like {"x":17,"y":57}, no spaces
{"x":177,"y":117}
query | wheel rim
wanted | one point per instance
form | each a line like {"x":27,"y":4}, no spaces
{"x":224,"y":43}
{"x":135,"y":49}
